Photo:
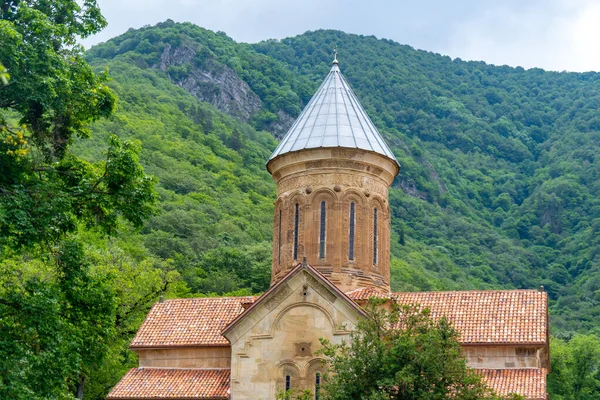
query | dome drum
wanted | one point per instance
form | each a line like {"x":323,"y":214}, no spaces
{"x":332,"y":208}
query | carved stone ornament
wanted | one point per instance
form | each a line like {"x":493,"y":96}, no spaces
{"x":320,"y":288}
{"x":278,"y":297}
{"x":303,"y":349}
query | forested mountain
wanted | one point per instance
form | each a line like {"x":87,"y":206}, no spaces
{"x":499,"y":182}
{"x":498,"y":187}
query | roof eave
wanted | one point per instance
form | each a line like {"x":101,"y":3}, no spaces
{"x":277,"y":157}
{"x":177,"y":346}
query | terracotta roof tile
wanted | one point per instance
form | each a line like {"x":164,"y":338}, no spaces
{"x":491,"y":316}
{"x":158,"y":383}
{"x":189,"y":322}
{"x":484,"y":316}
{"x":529,"y":383}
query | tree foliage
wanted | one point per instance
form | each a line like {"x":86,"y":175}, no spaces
{"x":400,"y":354}
{"x":58,"y":312}
{"x":575,"y":368}
{"x":52,"y":97}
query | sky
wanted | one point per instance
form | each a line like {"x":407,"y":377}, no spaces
{"x":555,"y":35}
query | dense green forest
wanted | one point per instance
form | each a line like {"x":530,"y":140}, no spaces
{"x":499,"y":185}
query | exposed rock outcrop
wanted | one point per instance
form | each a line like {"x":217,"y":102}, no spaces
{"x":212,"y":82}
{"x":283,"y":123}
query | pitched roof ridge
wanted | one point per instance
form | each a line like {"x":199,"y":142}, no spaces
{"x":512,"y":369}
{"x":476,"y":291}
{"x":206,"y":298}
{"x":185,"y":368}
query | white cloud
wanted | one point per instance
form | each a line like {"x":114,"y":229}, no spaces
{"x":583,"y":34}
{"x":556,"y":35}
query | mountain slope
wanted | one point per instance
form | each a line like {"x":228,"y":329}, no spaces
{"x":512,"y":152}
{"x":499,"y":180}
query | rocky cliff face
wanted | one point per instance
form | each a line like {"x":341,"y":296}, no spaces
{"x":212,"y":82}
{"x":283,"y":123}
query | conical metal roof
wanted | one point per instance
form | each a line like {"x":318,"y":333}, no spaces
{"x":333,"y":118}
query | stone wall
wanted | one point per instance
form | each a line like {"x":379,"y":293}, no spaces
{"x":188,"y":357}
{"x":503,"y":357}
{"x":280,"y":337}
{"x":338,"y":178}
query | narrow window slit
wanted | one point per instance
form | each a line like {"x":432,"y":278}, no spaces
{"x":322,"y":230}
{"x":351,"y":234}
{"x":317,"y":385}
{"x":375,"y":236}
{"x":279,"y":239}
{"x":296,"y":221}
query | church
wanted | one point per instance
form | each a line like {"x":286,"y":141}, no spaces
{"x":331,"y":253}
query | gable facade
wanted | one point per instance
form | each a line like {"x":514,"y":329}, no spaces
{"x":275,"y":343}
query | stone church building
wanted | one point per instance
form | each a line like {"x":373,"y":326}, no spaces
{"x":331,"y":252}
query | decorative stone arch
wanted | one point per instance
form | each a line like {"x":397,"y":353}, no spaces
{"x":297,"y":196}
{"x":277,"y":320}
{"x":314,"y":366}
{"x":322,"y":192}
{"x":317,"y":364}
{"x":284,"y":369}
{"x":357,"y":193}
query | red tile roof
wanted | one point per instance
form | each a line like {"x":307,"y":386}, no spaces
{"x":204,"y":384}
{"x":490,"y":316}
{"x":158,"y":383}
{"x":529,"y":383}
{"x":189,"y":322}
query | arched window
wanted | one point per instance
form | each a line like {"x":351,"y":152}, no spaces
{"x":375,"y":236}
{"x":351,"y":233}
{"x":322,"y":230}
{"x":296,"y":221}
{"x":317,"y":385}
{"x":288,"y":383}
{"x":279,"y":239}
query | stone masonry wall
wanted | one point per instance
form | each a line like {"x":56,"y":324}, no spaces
{"x":199,"y":357}
{"x":339,"y":178}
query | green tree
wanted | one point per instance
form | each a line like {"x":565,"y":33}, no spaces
{"x":4,"y":75}
{"x":51,"y":98}
{"x":575,"y":368}
{"x":57,"y":324}
{"x":58,"y":314}
{"x":294,"y":394}
{"x":400,"y":354}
